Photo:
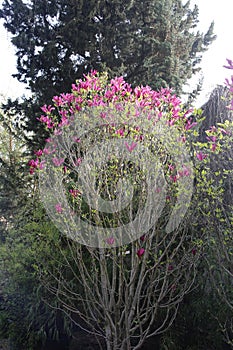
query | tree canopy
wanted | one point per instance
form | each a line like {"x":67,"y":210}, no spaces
{"x":153,"y":43}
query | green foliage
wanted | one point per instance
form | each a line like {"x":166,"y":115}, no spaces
{"x":153,"y":43}
{"x":28,"y":315}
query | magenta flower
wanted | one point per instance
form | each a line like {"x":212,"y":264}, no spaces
{"x":142,"y":238}
{"x":42,"y":165}
{"x":78,"y":162}
{"x":57,"y":161}
{"x":46,"y":120}
{"x":39,"y":153}
{"x":110,"y":240}
{"x":194,"y":251}
{"x":200,"y":156}
{"x":213,"y":147}
{"x":47,"y":109}
{"x":33,"y":163}
{"x":58,"y":208}
{"x":230,"y":64}
{"x":120,"y":132}
{"x":174,"y":178}
{"x":131,"y":147}
{"x":140,"y":252}
{"x":184,"y":172}
{"x":74,"y":193}
{"x":189,"y":124}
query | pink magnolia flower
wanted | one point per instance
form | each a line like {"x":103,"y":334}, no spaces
{"x":140,"y":252}
{"x":184,"y":172}
{"x":213,"y":147}
{"x":170,"y":267}
{"x":65,"y":169}
{"x":57,"y":161}
{"x":171,"y":167}
{"x":230,"y":64}
{"x":33,"y":163}
{"x":174,"y":178}
{"x":78,"y":162}
{"x":58,"y":101}
{"x":74,"y":193}
{"x":120,"y":132}
{"x":158,"y":190}
{"x":110,"y":240}
{"x":142,"y":238}
{"x":189,"y":124}
{"x":46,"y":120}
{"x":39,"y":153}
{"x":42,"y":165}
{"x":131,"y":147}
{"x":47,"y":109}
{"x":200,"y":156}
{"x":58,"y":208}
{"x":194,"y":251}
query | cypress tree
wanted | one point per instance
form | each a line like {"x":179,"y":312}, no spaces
{"x":152,"y":43}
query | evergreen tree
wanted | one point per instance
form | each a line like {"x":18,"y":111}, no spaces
{"x":14,"y":178}
{"x":148,"y":42}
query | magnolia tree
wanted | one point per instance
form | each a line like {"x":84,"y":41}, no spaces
{"x":117,"y":178}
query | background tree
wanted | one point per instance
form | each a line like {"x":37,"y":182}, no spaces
{"x":13,"y":167}
{"x":153,"y":43}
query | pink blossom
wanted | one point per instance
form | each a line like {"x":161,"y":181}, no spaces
{"x":120,"y":132}
{"x":117,"y":83}
{"x":57,"y":161}
{"x":140,"y":252}
{"x":64,"y":121}
{"x":230,"y":64}
{"x":110,"y":240}
{"x":223,"y":131}
{"x":46,"y":120}
{"x":200,"y":156}
{"x":47,"y":109}
{"x":142,"y":238}
{"x":174,"y":178}
{"x":47,"y":151}
{"x":213,"y":147}
{"x":38,"y":153}
{"x":57,"y":132}
{"x":171,"y":167}
{"x":78,"y":162}
{"x":58,"y":208}
{"x":42,"y":165}
{"x":33,"y":163}
{"x":184,"y":172}
{"x":194,"y":251}
{"x":74,"y":193}
{"x":189,"y":124}
{"x":131,"y":147}
{"x":65,"y":169}
{"x":58,"y":101}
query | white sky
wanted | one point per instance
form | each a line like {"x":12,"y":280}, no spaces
{"x":212,"y":63}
